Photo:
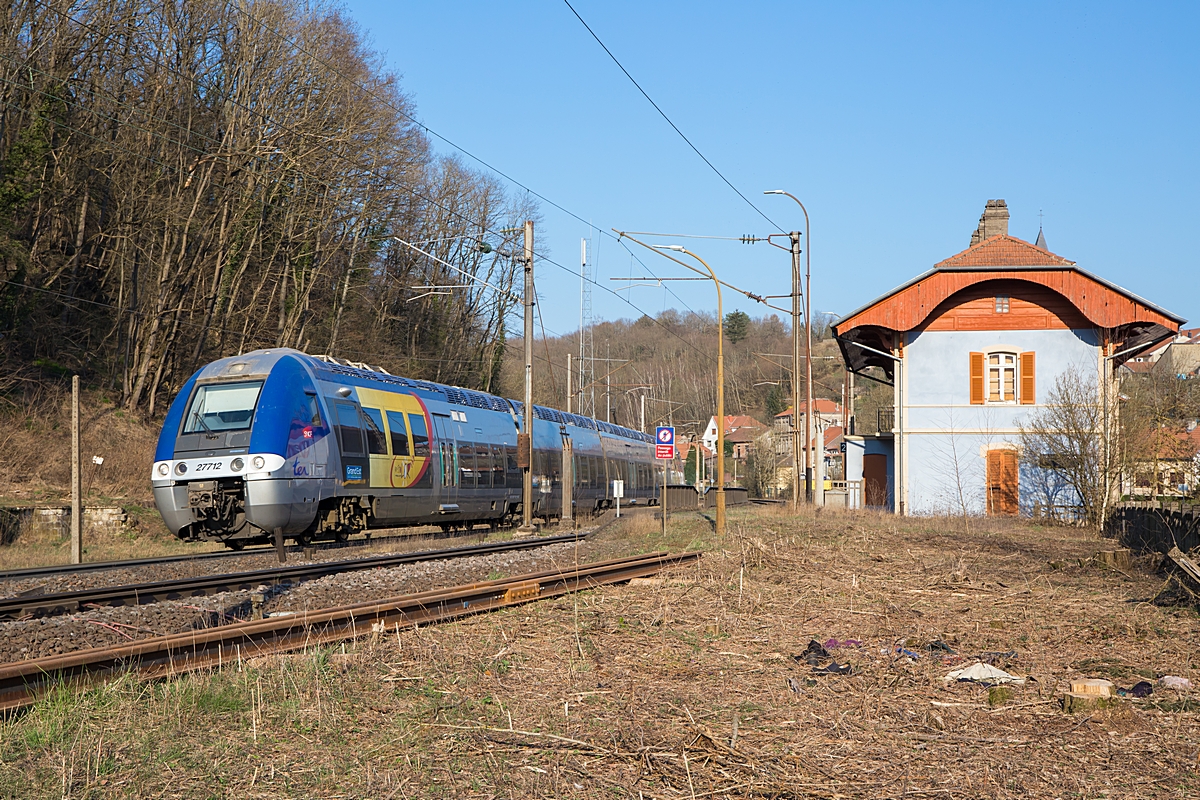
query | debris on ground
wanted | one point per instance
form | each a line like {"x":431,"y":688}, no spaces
{"x":1175,"y":682}
{"x":1139,"y":690}
{"x":834,"y":644}
{"x":979,"y":672}
{"x":814,"y":655}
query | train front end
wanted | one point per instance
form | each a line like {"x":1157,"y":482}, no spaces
{"x":243,"y":451}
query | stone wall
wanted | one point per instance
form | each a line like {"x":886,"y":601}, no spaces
{"x":56,"y":521}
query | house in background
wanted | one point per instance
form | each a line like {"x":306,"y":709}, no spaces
{"x":733,"y":423}
{"x":971,"y":349}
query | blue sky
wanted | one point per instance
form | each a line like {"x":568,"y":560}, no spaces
{"x":894,"y":123}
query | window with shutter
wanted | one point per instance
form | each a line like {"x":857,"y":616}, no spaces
{"x":977,"y":378}
{"x":1028,"y":379}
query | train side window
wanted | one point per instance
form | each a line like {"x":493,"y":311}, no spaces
{"x":483,"y":465}
{"x":376,"y":441}
{"x":398,"y":433}
{"x":349,"y":429}
{"x":466,"y":465}
{"x":420,"y":435}
{"x":498,"y":466}
{"x":515,"y":479}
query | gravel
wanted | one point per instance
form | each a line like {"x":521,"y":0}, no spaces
{"x":37,"y":638}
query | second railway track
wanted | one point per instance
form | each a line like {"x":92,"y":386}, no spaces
{"x":29,"y":605}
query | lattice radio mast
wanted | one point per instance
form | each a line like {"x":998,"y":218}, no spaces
{"x":587,"y":353}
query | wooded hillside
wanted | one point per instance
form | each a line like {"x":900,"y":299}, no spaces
{"x":184,"y":181}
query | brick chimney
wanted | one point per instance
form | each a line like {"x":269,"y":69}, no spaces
{"x":993,"y":221}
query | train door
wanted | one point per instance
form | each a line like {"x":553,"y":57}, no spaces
{"x":356,"y":468}
{"x":447,"y":460}
{"x":377,"y":448}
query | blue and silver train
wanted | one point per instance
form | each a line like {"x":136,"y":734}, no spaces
{"x":320,"y":448}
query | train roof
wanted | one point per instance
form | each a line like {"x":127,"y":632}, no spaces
{"x":471,"y":398}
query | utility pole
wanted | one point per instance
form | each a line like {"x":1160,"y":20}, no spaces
{"x":607,"y":386}
{"x":76,"y":478}
{"x":642,"y":426}
{"x":568,"y":383}
{"x":796,"y":312}
{"x":527,"y":482}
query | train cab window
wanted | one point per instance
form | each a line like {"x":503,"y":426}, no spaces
{"x":220,"y":407}
{"x":376,"y":441}
{"x":399,"y":434}
{"x":313,"y":409}
{"x":420,"y":435}
{"x":349,"y":429}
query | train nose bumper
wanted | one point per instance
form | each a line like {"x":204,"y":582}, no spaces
{"x":172,"y":503}
{"x":269,"y":503}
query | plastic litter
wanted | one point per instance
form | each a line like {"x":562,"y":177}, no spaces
{"x":834,"y":668}
{"x":985,"y":674}
{"x":914,"y":656}
{"x":1139,"y":689}
{"x":938,"y":646}
{"x":814,"y":655}
{"x":834,"y":644}
{"x":794,"y":685}
{"x":1175,"y":682}
{"x":994,"y":658}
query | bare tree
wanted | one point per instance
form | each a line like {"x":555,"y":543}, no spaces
{"x":1071,"y":436}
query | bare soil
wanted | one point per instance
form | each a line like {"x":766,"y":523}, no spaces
{"x":688,"y":686}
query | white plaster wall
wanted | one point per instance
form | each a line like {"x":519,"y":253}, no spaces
{"x":946,"y":437}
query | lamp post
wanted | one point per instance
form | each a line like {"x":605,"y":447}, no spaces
{"x":720,"y":385}
{"x":815,"y":492}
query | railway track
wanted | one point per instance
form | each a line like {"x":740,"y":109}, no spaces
{"x":39,"y":605}
{"x":23,"y":682}
{"x":95,"y":566}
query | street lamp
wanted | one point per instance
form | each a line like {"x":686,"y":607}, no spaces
{"x":720,"y":384}
{"x":815,"y":491}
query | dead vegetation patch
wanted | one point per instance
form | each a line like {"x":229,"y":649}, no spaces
{"x":694,"y":684}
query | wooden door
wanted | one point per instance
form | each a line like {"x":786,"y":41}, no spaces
{"x":1002,"y":483}
{"x":875,"y":482}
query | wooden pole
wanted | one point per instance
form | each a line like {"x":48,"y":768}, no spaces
{"x":76,"y":478}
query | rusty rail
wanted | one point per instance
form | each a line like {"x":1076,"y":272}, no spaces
{"x":27,"y":605}
{"x":23,"y":682}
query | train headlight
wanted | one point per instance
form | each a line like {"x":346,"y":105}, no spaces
{"x":180,"y":468}
{"x":237,"y":464}
{"x":164,"y":469}
{"x":259,"y":462}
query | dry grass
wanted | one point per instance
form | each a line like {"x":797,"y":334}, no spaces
{"x":35,"y":450}
{"x":683,"y":687}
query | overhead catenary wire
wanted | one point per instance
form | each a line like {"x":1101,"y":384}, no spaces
{"x":663,"y":114}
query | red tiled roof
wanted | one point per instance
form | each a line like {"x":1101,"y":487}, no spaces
{"x":1003,"y":251}
{"x":1138,"y":366}
{"x":822,"y":406}
{"x":832,"y":433}
{"x":733,"y":422}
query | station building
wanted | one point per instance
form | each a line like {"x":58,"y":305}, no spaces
{"x":971,"y":349}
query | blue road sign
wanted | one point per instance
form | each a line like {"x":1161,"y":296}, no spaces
{"x":665,"y":434}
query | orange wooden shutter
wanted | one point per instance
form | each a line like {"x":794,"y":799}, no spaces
{"x":1028,"y":383}
{"x":977,"y":378}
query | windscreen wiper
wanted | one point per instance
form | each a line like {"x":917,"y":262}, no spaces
{"x":207,"y":430}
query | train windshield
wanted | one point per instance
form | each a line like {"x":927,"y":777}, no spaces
{"x":220,"y":407}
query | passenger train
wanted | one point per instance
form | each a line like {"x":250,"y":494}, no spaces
{"x":320,"y":448}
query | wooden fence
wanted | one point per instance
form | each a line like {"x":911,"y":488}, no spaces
{"x":1147,"y":527}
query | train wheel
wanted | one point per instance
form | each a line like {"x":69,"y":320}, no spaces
{"x":342,"y":534}
{"x":235,"y":544}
